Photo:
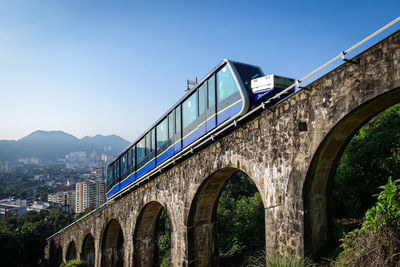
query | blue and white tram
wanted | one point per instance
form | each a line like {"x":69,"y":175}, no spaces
{"x":224,"y":94}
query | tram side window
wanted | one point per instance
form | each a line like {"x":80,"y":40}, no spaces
{"x":189,"y":110}
{"x":124,"y":163}
{"x":115,"y":179}
{"x":153,"y":140}
{"x":129,"y":155}
{"x":178,"y":119}
{"x":109,"y":177}
{"x":226,"y":84}
{"x":141,"y":150}
{"x":117,"y":174}
{"x":171,"y":125}
{"x":147,"y":143}
{"x":201,"y":99}
{"x":133,"y":157}
{"x":150,"y":142}
{"x":211,"y":91}
{"x":162,"y":135}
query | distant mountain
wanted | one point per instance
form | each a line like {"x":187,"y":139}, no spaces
{"x":52,"y":145}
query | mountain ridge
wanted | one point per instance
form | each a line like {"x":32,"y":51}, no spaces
{"x":53,"y":145}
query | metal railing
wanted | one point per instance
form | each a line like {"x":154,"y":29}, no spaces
{"x":340,"y":56}
{"x":225,"y":126}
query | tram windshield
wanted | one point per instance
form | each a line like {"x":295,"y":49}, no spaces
{"x":226,"y":84}
{"x":247,"y":73}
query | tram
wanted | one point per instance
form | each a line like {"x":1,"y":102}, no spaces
{"x":227,"y":92}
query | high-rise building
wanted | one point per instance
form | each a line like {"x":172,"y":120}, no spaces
{"x":89,"y":193}
{"x":100,"y":193}
{"x":80,"y":193}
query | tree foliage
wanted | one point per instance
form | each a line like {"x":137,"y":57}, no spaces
{"x":23,"y":237}
{"x":89,"y":209}
{"x":164,"y":240}
{"x":240,"y":216}
{"x":74,"y":263}
{"x":240,"y":223}
{"x":20,"y":182}
{"x":371,"y":156}
{"x":377,"y":242}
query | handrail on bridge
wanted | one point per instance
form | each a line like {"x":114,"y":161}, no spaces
{"x":234,"y":123}
{"x":341,"y":55}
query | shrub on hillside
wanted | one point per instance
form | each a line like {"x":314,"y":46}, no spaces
{"x":377,"y":242}
{"x":74,"y":263}
{"x":259,"y":259}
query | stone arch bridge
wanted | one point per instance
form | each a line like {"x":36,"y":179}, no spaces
{"x":290,"y":151}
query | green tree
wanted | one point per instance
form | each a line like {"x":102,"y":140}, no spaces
{"x":240,"y":217}
{"x":377,"y":242}
{"x":371,"y":156}
{"x":164,"y":240}
{"x":23,"y":237}
{"x":74,"y":263}
{"x":77,"y":216}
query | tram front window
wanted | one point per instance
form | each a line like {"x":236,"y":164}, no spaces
{"x":247,"y":73}
{"x":226,"y":84}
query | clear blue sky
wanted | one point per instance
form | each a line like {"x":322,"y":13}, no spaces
{"x":113,"y":67}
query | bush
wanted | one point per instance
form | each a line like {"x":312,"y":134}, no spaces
{"x":377,"y":242}
{"x":74,"y":263}
{"x":260,"y":260}
{"x":370,"y":158}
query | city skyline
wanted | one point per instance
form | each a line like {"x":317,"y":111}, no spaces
{"x":115,"y":69}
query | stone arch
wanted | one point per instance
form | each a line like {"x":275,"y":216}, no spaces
{"x":146,"y":233}
{"x":88,"y":250}
{"x":112,"y":245}
{"x":71,"y":251}
{"x":202,"y":245}
{"x":319,"y":179}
